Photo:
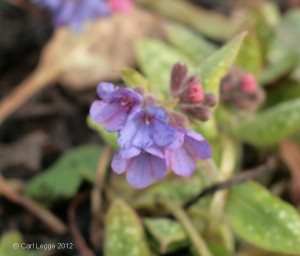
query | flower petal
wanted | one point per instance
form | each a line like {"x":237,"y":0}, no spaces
{"x":198,"y":148}
{"x":129,"y":152}
{"x":139,"y":173}
{"x":119,"y":164}
{"x":134,"y":133}
{"x":117,"y":121}
{"x":104,"y":90}
{"x":180,"y":161}
{"x":101,"y":111}
{"x":162,"y":133}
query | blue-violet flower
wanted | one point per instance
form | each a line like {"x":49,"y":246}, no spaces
{"x":74,"y":13}
{"x":182,"y":154}
{"x":141,"y":166}
{"x":115,"y":106}
{"x":147,"y":127}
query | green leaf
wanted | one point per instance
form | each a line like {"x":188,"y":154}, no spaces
{"x":167,"y":235}
{"x":210,"y":23}
{"x":174,"y":188}
{"x":283,"y":91}
{"x":281,"y":61}
{"x":272,"y":125}
{"x":62,"y":180}
{"x":249,"y":57}
{"x":263,"y":220}
{"x":215,"y":67}
{"x":124,"y":234}
{"x":133,"y":79}
{"x":289,"y":30}
{"x":156,"y":59}
{"x":216,"y":248}
{"x":109,"y":138}
{"x":14,"y":238}
{"x":189,"y":42}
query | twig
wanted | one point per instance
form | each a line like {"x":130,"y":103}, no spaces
{"x":56,"y":225}
{"x":80,"y":243}
{"x":240,"y":178}
{"x":183,"y":218}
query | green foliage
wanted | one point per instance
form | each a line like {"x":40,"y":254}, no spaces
{"x":249,"y":58}
{"x":289,"y":30}
{"x":272,"y":125}
{"x":156,"y":60}
{"x":124,"y":233}
{"x":6,"y":246}
{"x":217,"y":65}
{"x":166,"y":235}
{"x":175,"y":189}
{"x":284,"y":91}
{"x":62,"y":180}
{"x":281,"y":60}
{"x":263,"y":220}
{"x":133,"y":79}
{"x":189,"y":42}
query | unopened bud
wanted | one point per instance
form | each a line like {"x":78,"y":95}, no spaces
{"x":210,"y":100}
{"x":198,"y":111}
{"x":178,"y":75}
{"x":195,"y":93}
{"x":178,"y":119}
{"x":248,"y":83}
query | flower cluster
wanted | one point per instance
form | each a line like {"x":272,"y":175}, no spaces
{"x":192,"y":99}
{"x":74,"y":13}
{"x":241,"y":90}
{"x":149,"y":143}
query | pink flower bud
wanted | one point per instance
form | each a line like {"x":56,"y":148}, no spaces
{"x":195,"y":93}
{"x":118,"y":6}
{"x":248,"y":83}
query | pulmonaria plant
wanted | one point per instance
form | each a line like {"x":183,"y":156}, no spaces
{"x":74,"y":13}
{"x":192,"y":98}
{"x":241,"y":90}
{"x":151,"y":138}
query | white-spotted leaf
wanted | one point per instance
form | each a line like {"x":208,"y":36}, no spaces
{"x":216,"y":66}
{"x":263,"y":219}
{"x":124,"y":234}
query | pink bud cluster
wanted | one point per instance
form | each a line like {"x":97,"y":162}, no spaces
{"x":192,"y":98}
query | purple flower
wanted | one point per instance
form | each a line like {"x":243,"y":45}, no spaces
{"x":141,"y":166}
{"x":182,"y":154}
{"x":115,"y":106}
{"x":146,"y":128}
{"x":74,"y":12}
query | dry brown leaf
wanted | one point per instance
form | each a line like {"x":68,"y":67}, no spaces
{"x":290,"y":153}
{"x":81,"y":60}
{"x":25,"y":152}
{"x":103,"y":48}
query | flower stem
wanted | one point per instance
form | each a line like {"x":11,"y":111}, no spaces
{"x":227,"y":166}
{"x":183,"y":218}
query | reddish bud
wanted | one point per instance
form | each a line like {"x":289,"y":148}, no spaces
{"x":210,"y":100}
{"x":248,"y":83}
{"x":195,"y":93}
{"x":178,"y":75}
{"x":178,"y":119}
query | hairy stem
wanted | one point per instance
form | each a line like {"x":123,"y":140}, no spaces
{"x":183,"y":218}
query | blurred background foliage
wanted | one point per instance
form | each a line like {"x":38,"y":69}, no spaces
{"x":56,"y":185}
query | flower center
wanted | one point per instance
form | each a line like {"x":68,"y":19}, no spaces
{"x":127,"y":102}
{"x":147,"y":118}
